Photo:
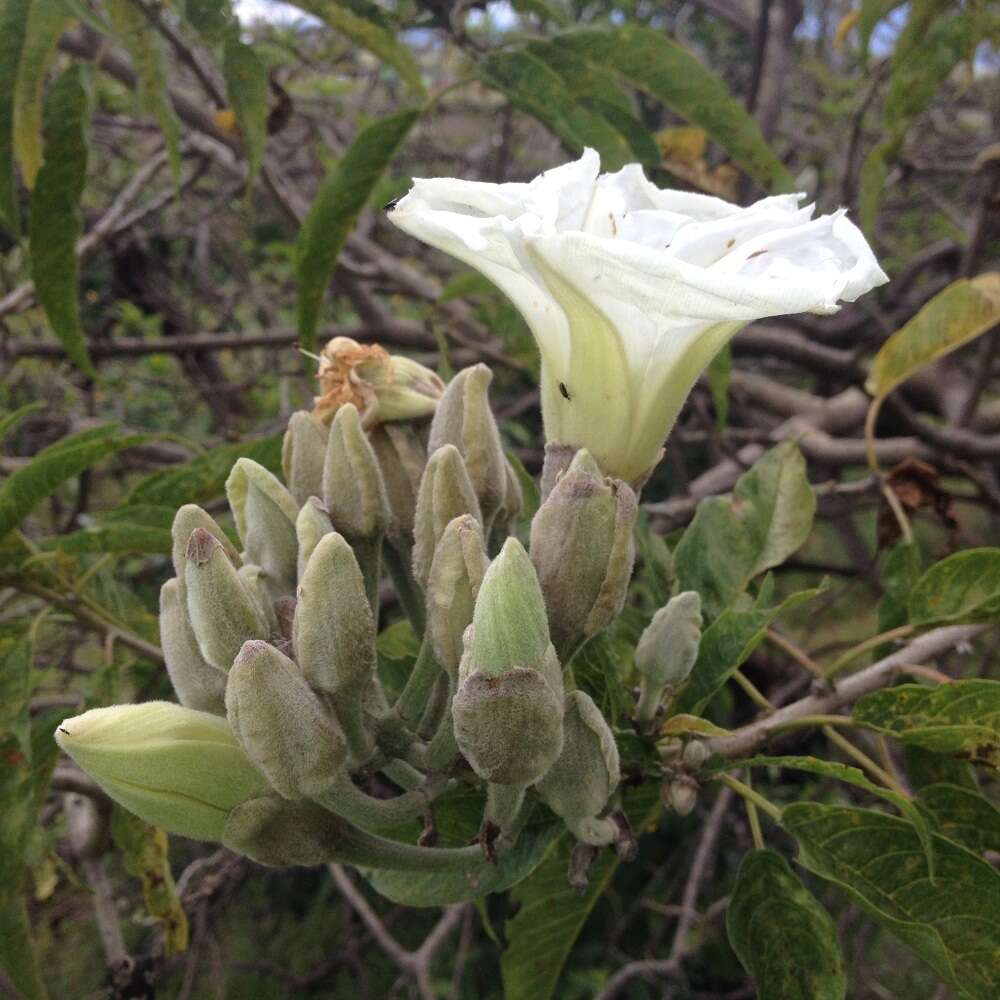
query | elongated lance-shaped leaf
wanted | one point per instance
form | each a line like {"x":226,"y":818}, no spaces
{"x":246,"y":89}
{"x":783,"y":937}
{"x":56,"y":222}
{"x":339,"y":201}
{"x":13,"y":23}
{"x":10,"y":420}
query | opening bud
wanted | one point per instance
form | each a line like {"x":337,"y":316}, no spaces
{"x":382,"y":386}
{"x":198,"y":685}
{"x":186,"y":520}
{"x":583,"y":548}
{"x":281,"y":723}
{"x":222,"y":612}
{"x":303,"y":451}
{"x":169,"y":765}
{"x":445,"y":493}
{"x":464,"y":419}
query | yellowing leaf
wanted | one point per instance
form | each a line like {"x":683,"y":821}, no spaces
{"x":225,"y":120}
{"x":685,"y":144}
{"x":956,"y":315}
{"x":844,"y":28}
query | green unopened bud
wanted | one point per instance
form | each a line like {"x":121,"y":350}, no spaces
{"x":508,"y":726}
{"x":198,"y":684}
{"x":223,"y":614}
{"x":583,"y":549}
{"x":187,"y":518}
{"x":281,"y":723}
{"x":382,"y":386}
{"x":401,"y":457}
{"x":680,"y":794}
{"x":255,"y":581}
{"x":303,"y":451}
{"x":459,"y":565}
{"x":445,"y":493}
{"x":312,"y":524}
{"x":509,"y":624}
{"x":265,"y":516}
{"x":464,"y":419}
{"x":353,"y":490}
{"x":172,"y":766}
{"x":579,"y":783}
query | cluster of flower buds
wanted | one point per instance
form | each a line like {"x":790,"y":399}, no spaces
{"x":284,"y":720}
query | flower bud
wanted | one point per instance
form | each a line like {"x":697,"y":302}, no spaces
{"x":459,"y":565}
{"x":353,"y":490}
{"x":680,"y":793}
{"x":311,"y":525}
{"x":222,"y":612}
{"x":281,"y":724}
{"x":401,"y":458}
{"x":583,"y":549}
{"x":265,"y":516}
{"x":464,"y":419}
{"x":198,"y":684}
{"x":668,"y":647}
{"x":334,"y":630}
{"x":445,"y":493}
{"x":254,"y":579}
{"x":579,"y":783}
{"x":303,"y":451}
{"x":187,"y":518}
{"x":695,"y":754}
{"x":382,"y":386}
{"x":172,"y":766}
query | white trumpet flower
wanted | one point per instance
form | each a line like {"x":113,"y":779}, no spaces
{"x":631,"y":290}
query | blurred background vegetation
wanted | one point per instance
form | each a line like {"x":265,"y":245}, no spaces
{"x":175,"y":149}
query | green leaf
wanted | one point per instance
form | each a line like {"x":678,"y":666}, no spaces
{"x":963,"y":815}
{"x":681,"y":725}
{"x":725,"y":646}
{"x":877,"y":859}
{"x":142,"y":41}
{"x":43,"y":26}
{"x":212,"y":19}
{"x":204,"y":478}
{"x":367,"y":26}
{"x":658,"y":66}
{"x":17,"y":951}
{"x":718,"y":373}
{"x":117,"y":537}
{"x":13,"y":22}
{"x":924,"y":767}
{"x":960,"y":718}
{"x":56,"y":222}
{"x":51,"y":467}
{"x":10,"y":420}
{"x":734,"y":538}
{"x":965,"y":587}
{"x":339,"y":201}
{"x":552,"y":914}
{"x":900,"y":571}
{"x":783,"y":937}
{"x":956,"y":315}
{"x":246,"y":89}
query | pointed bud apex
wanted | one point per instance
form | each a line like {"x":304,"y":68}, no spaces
{"x":509,"y":625}
{"x":459,"y":565}
{"x":464,"y":419}
{"x":583,"y":549}
{"x":508,"y":727}
{"x":187,"y":518}
{"x":579,"y":783}
{"x":172,"y":766}
{"x":334,"y":631}
{"x":312,"y":524}
{"x":303,"y":451}
{"x":401,"y":458}
{"x":223,"y":614}
{"x":353,"y":490}
{"x":265,"y":516}
{"x":281,"y":723}
{"x":198,"y":685}
{"x":382,"y":386}
{"x":445,"y":493}
{"x":680,"y":794}
{"x":668,"y":647}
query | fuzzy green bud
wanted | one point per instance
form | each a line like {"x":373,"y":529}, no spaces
{"x":255,"y":581}
{"x":445,"y":493}
{"x":583,"y":549}
{"x":668,"y":648}
{"x":459,"y":565}
{"x":353,"y":490}
{"x":187,"y":518}
{"x":464,"y":419}
{"x":401,"y":458}
{"x":303,"y":452}
{"x":579,"y":783}
{"x":198,"y":685}
{"x":312,"y":524}
{"x":222,"y":612}
{"x":171,"y":766}
{"x":265,"y":516}
{"x":281,"y":723}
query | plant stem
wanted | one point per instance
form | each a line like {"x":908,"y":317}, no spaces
{"x":750,"y":795}
{"x":901,"y":632}
{"x":752,"y":692}
{"x":426,"y":670}
{"x":754,"y":820}
{"x":879,"y":773}
{"x":397,"y":561}
{"x":345,"y":799}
